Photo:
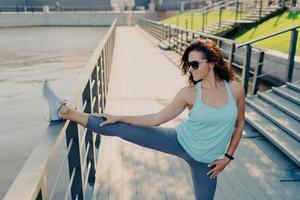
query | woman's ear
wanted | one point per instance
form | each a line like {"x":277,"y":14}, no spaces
{"x":211,"y":65}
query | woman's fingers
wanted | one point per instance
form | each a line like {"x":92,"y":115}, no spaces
{"x":214,"y":174}
{"x":104,"y":123}
{"x":101,"y":115}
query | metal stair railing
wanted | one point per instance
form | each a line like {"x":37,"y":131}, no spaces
{"x":238,"y":55}
{"x":32,"y":180}
{"x":291,"y":55}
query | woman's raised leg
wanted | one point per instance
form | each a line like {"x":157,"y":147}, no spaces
{"x":157,"y":138}
{"x":153,"y":137}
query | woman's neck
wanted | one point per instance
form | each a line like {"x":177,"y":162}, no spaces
{"x":211,"y":81}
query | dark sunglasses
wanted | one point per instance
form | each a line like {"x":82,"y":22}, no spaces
{"x":195,"y":64}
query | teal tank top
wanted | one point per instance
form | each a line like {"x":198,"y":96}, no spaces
{"x":207,"y":131}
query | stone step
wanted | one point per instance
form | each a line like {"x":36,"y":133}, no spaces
{"x":287,"y":144}
{"x":281,"y":103}
{"x":288,"y":93}
{"x":294,"y":86}
{"x":281,"y":119}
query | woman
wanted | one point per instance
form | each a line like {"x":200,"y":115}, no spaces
{"x":216,"y":117}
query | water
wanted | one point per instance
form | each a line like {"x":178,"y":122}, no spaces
{"x":27,"y":57}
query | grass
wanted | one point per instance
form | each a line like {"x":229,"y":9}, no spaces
{"x":194,"y":21}
{"x":278,"y":23}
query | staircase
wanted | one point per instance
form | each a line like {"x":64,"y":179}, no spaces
{"x":254,"y":17}
{"x":276,"y":115}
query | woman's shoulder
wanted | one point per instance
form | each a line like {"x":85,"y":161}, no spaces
{"x":187,"y":89}
{"x":187,"y":93}
{"x":236,"y":88}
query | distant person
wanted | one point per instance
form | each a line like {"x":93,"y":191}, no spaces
{"x":216,"y":118}
{"x":57,"y":6}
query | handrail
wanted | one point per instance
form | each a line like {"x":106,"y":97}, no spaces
{"x":267,"y":36}
{"x":223,"y":4}
{"x":31,"y":182}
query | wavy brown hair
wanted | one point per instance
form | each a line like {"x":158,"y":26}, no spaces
{"x":212,"y":54}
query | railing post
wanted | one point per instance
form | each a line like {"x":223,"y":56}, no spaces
{"x":186,"y":38}
{"x":161,"y":32}
{"x":246,"y":68}
{"x":260,"y":8}
{"x":220,"y":16}
{"x":203,"y":15}
{"x":101,"y":84}
{"x":231,"y":55}
{"x":241,"y":10}
{"x":169,"y":36}
{"x":74,"y":160}
{"x":292,"y":52}
{"x":236,"y":10}
{"x":192,"y":21}
{"x":257,"y":73}
{"x":181,"y":41}
{"x":177,"y":39}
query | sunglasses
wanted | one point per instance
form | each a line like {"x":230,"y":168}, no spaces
{"x":195,"y":64}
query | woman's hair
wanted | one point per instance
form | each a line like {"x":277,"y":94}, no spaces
{"x":212,"y":54}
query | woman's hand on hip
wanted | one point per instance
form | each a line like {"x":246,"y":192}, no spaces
{"x":219,"y":166}
{"x":110,"y":119}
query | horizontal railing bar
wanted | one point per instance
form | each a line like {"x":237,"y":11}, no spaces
{"x":85,"y":157}
{"x":70,"y":184}
{"x":93,"y":83}
{"x":61,"y":168}
{"x":83,"y":138}
{"x":94,"y":100}
{"x":84,"y":105}
{"x":268,"y":36}
{"x":87,"y":175}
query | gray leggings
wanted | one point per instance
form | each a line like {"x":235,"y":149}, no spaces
{"x":160,"y":139}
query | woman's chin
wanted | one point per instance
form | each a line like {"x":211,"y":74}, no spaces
{"x":196,"y":78}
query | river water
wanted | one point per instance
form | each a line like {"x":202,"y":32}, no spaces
{"x":27,"y":57}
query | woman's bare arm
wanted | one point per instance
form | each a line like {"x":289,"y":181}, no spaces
{"x":240,"y":122}
{"x":168,"y":113}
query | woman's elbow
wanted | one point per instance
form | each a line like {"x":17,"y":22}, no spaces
{"x":157,"y":120}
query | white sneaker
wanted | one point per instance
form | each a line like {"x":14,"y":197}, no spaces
{"x":53,"y":101}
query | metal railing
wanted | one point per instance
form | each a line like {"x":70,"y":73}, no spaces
{"x":243,"y":11}
{"x":248,"y":59}
{"x":32,"y":181}
{"x":292,"y":49}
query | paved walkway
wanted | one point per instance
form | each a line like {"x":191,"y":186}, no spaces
{"x":143,"y":80}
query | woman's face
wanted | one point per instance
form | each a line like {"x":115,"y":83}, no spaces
{"x":197,"y":60}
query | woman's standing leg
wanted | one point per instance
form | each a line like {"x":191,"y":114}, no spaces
{"x":204,"y":187}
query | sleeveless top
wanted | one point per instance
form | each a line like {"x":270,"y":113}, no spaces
{"x":208,"y":130}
